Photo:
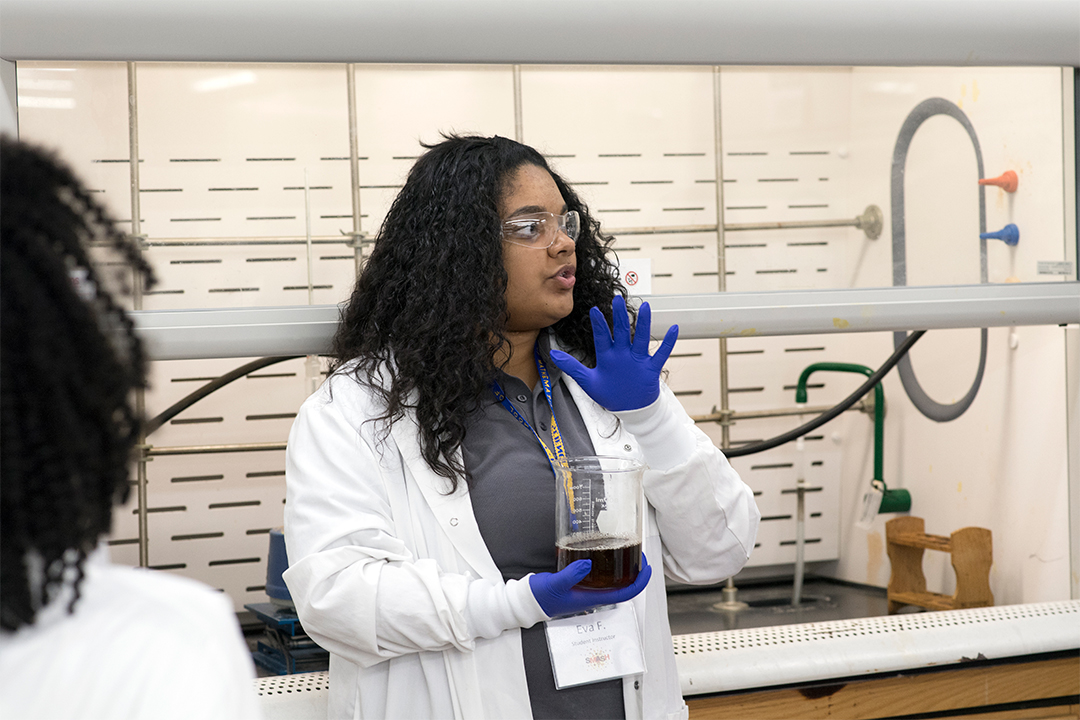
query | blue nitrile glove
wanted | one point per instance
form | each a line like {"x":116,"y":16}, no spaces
{"x":557,"y":595}
{"x":626,"y":377}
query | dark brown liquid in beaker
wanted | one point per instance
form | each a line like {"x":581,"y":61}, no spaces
{"x":616,"y":561}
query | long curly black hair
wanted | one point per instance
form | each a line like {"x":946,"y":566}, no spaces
{"x":427,"y":316}
{"x":69,"y":360}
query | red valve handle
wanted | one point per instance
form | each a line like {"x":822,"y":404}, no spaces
{"x":1007,"y":181}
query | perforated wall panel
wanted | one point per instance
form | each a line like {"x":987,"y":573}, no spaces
{"x":226,"y":152}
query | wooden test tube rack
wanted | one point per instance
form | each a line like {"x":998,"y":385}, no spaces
{"x":971,"y":553}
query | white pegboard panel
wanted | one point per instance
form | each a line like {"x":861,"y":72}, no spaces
{"x":693,"y":375}
{"x":248,"y":276}
{"x":772,"y":476}
{"x":226,"y":148}
{"x":789,"y":259}
{"x":639,"y":147}
{"x":210,"y":513}
{"x":633,"y":141}
{"x":398,"y":107}
{"x":637,"y":142}
{"x":230,"y":500}
{"x":56,"y":98}
{"x":786,"y":150}
{"x":763,"y":372}
{"x":681,"y":263}
{"x":223,"y":416}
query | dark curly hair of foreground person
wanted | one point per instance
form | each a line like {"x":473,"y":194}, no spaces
{"x":69,"y":361}
{"x":427,"y":316}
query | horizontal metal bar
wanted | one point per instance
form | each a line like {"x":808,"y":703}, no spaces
{"x":728,"y":227}
{"x":154,"y":451}
{"x":858,"y":222}
{"x":304,"y":330}
{"x":237,"y":332}
{"x":640,"y":230}
{"x":809,"y":312}
{"x":660,"y":230}
{"x":617,"y":232}
{"x":869,"y":222}
{"x":735,"y":415}
{"x":703,"y":32}
{"x":791,"y":225}
{"x":260,"y":241}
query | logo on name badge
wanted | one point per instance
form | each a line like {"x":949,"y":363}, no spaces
{"x":597,"y":658}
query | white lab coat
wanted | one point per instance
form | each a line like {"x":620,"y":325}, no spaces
{"x":391,"y":575}
{"x":141,"y":645}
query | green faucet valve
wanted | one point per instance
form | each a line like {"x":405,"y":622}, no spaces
{"x":898,"y":500}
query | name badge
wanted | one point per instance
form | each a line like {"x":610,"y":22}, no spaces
{"x":599,"y":645}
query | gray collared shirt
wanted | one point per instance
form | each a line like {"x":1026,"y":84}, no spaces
{"x":512,"y":487}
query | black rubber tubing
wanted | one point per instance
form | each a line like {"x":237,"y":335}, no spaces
{"x":220,"y":382}
{"x":217,"y":383}
{"x":828,"y":415}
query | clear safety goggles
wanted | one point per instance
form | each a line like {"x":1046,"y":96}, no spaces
{"x":539,"y":230}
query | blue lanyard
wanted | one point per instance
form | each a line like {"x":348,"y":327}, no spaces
{"x":558,"y":458}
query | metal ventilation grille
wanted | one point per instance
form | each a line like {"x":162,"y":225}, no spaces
{"x":848,"y":648}
{"x":313,"y":682}
{"x":811,"y":632}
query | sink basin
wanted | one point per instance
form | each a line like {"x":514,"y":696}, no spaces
{"x":696,"y":610}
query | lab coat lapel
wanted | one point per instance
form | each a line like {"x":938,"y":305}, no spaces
{"x":454,"y":512}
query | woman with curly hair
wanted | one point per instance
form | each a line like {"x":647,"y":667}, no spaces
{"x":82,"y":637}
{"x":487,"y":329}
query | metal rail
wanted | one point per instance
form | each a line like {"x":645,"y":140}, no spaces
{"x":870,"y":222}
{"x":345,"y":239}
{"x":721,"y":254}
{"x":960,"y":33}
{"x":357,"y":239}
{"x":141,"y":479}
{"x":158,"y":451}
{"x":155,"y":451}
{"x":306,"y":330}
{"x":734,"y":415}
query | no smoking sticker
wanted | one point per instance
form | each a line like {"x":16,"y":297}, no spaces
{"x":636,"y":275}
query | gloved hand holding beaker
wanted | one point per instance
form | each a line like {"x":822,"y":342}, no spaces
{"x":557,"y":594}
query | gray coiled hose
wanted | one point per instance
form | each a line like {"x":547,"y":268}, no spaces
{"x":922,"y":112}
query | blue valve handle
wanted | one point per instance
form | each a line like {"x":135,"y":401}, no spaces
{"x":1010,"y":234}
{"x":557,"y":595}
{"x":626,"y":377}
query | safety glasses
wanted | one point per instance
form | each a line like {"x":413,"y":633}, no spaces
{"x":539,"y":230}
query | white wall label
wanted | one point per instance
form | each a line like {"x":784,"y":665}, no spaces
{"x":636,"y":275}
{"x":1055,"y":267}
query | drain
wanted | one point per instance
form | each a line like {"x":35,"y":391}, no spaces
{"x":786,"y":601}
{"x":780,"y":604}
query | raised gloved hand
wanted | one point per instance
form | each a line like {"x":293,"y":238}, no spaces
{"x":626,"y":377}
{"x":557,"y":595}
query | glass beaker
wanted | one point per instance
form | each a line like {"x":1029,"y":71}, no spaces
{"x":598,"y":517}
